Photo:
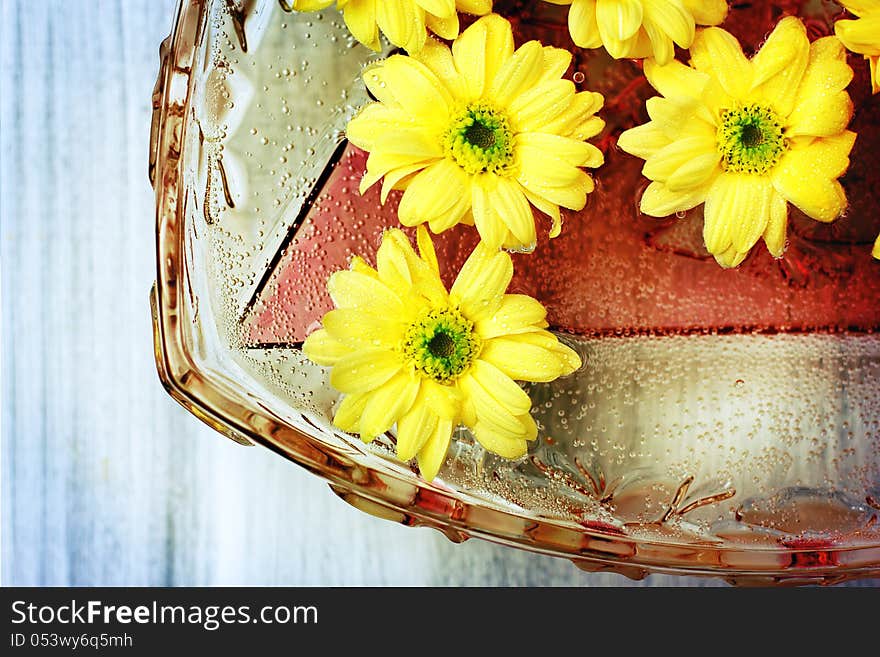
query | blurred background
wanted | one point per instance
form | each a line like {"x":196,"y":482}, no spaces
{"x":106,"y":480}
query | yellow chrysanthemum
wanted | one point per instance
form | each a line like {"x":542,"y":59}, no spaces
{"x":403,"y":22}
{"x":640,"y":28}
{"x":406,"y":351}
{"x":747,"y":136}
{"x":476,"y":133}
{"x":863,"y":34}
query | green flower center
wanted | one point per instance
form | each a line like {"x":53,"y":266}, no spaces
{"x":479,"y":139}
{"x":441,"y":344}
{"x":750,"y":139}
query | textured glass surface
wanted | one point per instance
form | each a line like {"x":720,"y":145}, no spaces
{"x":724,"y":422}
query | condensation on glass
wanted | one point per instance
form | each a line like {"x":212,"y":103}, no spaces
{"x":724,"y":422}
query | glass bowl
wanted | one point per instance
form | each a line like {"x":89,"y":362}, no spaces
{"x":725,"y":423}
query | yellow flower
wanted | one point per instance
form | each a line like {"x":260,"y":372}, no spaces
{"x":640,"y":28}
{"x":403,"y":22}
{"x":747,"y":136}
{"x":476,"y":133}
{"x":406,"y":351}
{"x":863,"y":34}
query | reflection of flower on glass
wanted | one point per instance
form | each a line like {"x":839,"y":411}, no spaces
{"x":476,"y":133}
{"x":406,"y":351}
{"x":640,"y":28}
{"x":747,"y":136}
{"x":403,"y":22}
{"x":862,"y":35}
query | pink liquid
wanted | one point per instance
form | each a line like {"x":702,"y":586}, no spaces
{"x":614,"y":271}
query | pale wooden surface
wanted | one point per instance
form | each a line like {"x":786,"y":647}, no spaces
{"x":105,"y":480}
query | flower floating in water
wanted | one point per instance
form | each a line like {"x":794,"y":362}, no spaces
{"x":863,"y":34}
{"x":403,"y":22}
{"x":747,"y":136}
{"x":476,"y":133}
{"x":406,"y":351}
{"x":640,"y":28}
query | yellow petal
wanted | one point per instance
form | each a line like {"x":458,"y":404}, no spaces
{"x":357,"y":328}
{"x":860,"y":35}
{"x":572,"y":151}
{"x":675,"y":79}
{"x":513,"y":209}
{"x":516,"y":314}
{"x":618,"y":19}
{"x":774,"y":236}
{"x":572,"y":195}
{"x":499,"y":443}
{"x":371,"y":119}
{"x":388,"y":404}
{"x":322,"y":348}
{"x":414,"y":429}
{"x":582,"y":24}
{"x":730,"y":258}
{"x":548,"y":208}
{"x":577,"y":121}
{"x":407,"y":83}
{"x":737,"y":211}
{"x":662,"y":48}
{"x":403,"y":22}
{"x":311,"y":5}
{"x":446,"y":28}
{"x":707,"y":12}
{"x":823,"y":107}
{"x":438,"y":57}
{"x":480,"y":50}
{"x":488,"y":410}
{"x":660,"y":201}
{"x":432,"y":192}
{"x":501,"y":387}
{"x":518,"y":74}
{"x":348,"y":414}
{"x":643,"y":140}
{"x":780,"y":64}
{"x":360,"y":18}
{"x":696,"y":173}
{"x":480,"y":285}
{"x":556,"y":63}
{"x":364,"y":370}
{"x":396,"y":253}
{"x":426,"y":249}
{"x":394,"y":179}
{"x":666,"y":161}
{"x":360,"y":266}
{"x":876,"y":251}
{"x":536,"y":107}
{"x":444,"y":400}
{"x":351,"y":289}
{"x":441,"y":8}
{"x":719,"y":54}
{"x":523,"y":361}
{"x":672,"y":19}
{"x":491,"y":228}
{"x":817,"y":195}
{"x":475,"y":7}
{"x":432,"y":455}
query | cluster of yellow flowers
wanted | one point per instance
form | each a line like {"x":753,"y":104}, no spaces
{"x":481,"y":132}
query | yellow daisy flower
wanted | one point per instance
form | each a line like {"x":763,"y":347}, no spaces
{"x":406,"y":351}
{"x":476,"y":133}
{"x":640,"y":28}
{"x":747,"y":136}
{"x":403,"y":22}
{"x":863,"y":34}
